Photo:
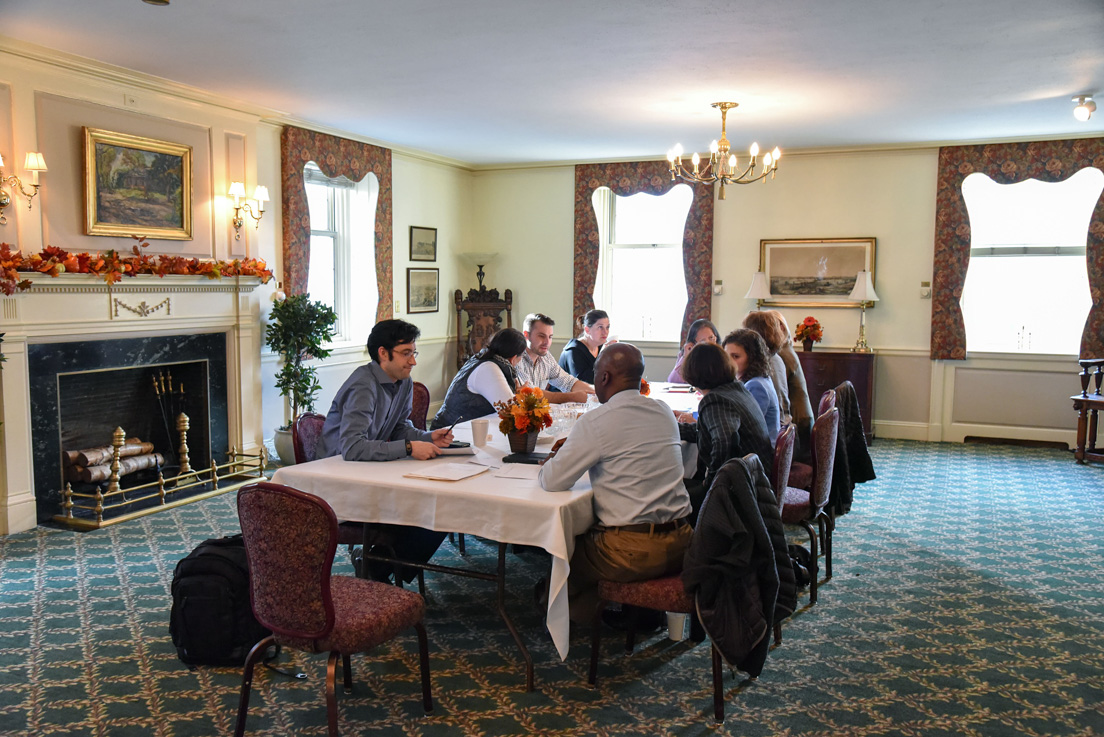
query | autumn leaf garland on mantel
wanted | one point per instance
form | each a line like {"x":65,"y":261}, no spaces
{"x":112,"y":266}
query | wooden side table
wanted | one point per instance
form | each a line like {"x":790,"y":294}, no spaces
{"x":484,"y":308}
{"x":1087,"y":407}
{"x":826,"y":370}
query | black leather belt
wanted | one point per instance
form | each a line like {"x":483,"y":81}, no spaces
{"x":651,"y":526}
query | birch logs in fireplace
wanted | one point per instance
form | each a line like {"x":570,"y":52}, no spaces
{"x":93,"y":465}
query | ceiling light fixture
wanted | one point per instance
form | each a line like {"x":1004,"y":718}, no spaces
{"x":156,"y":2}
{"x":1085,"y":107}
{"x":723,"y":167}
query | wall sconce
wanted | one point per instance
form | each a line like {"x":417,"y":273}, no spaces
{"x":34,"y":164}
{"x":254,"y":207}
{"x":1085,"y":107}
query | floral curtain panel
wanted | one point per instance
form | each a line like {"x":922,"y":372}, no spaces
{"x":335,"y":157}
{"x":631,"y":178}
{"x":1005,"y":163}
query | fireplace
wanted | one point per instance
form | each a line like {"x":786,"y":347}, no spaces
{"x":81,"y":357}
{"x":81,"y":391}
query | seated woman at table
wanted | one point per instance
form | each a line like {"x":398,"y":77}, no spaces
{"x":751,"y":358}
{"x":789,"y":379}
{"x":486,"y":378}
{"x":730,"y":423}
{"x":701,"y":331}
{"x":580,"y":353}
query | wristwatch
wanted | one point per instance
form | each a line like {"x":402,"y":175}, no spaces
{"x":409,"y":448}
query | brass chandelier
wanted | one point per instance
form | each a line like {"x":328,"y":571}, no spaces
{"x":722,"y":166}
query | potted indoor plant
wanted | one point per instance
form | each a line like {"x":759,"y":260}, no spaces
{"x":523,"y":417}
{"x":298,"y":329}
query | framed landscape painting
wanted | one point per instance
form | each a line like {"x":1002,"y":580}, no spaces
{"x":423,"y":243}
{"x":421,"y":290}
{"x":136,"y":186}
{"x":814,"y":272}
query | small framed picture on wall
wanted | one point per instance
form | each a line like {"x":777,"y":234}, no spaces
{"x":422,"y":290}
{"x":423,"y":243}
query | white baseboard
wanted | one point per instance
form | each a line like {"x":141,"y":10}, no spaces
{"x":900,"y":430}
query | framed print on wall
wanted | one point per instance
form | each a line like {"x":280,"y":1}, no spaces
{"x":814,"y":272}
{"x":422,"y":290}
{"x":136,"y":186}
{"x":423,"y":243}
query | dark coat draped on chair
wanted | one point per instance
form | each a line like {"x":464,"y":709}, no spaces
{"x":853,"y":464}
{"x":737,"y":568}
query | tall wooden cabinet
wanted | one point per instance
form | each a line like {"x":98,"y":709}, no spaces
{"x":828,"y":369}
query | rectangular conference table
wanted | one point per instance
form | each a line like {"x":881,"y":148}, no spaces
{"x":506,"y":510}
{"x":501,"y":509}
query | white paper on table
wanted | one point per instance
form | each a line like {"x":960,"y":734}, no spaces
{"x":483,"y":458}
{"x":448,"y":472}
{"x":463,"y":451}
{"x":518,"y":471}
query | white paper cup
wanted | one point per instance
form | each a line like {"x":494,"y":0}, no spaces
{"x":479,"y":432}
{"x":676,"y":625}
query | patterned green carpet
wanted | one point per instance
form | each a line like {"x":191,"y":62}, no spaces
{"x":968,"y":600}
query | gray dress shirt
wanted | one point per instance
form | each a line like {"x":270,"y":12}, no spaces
{"x":631,"y":447}
{"x":369,"y":419}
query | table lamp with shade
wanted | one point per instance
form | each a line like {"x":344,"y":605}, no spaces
{"x":479,"y":260}
{"x":759,"y":289}
{"x":863,"y":293}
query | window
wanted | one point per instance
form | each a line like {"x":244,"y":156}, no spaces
{"x":342,"y":246}
{"x":641,"y":282}
{"x":1027,"y":287}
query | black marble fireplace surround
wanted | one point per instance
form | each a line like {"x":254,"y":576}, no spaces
{"x":81,"y":391}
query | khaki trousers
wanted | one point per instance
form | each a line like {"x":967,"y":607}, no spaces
{"x":616,"y":555}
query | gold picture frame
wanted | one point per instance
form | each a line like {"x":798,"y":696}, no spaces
{"x":815,"y":272}
{"x":136,"y":186}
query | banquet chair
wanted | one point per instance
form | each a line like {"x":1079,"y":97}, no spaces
{"x":290,"y":539}
{"x":668,"y":593}
{"x":806,"y":506}
{"x":801,"y":474}
{"x":419,"y":410}
{"x":780,"y":474}
{"x":305,"y":432}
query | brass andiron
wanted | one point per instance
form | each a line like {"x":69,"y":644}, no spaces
{"x":182,"y":451}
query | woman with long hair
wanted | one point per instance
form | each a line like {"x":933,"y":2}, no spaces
{"x":701,"y":331}
{"x":751,"y":358}
{"x":789,"y":379}
{"x":486,"y":378}
{"x":580,"y":353}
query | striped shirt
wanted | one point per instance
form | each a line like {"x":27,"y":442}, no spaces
{"x":730,"y":425}
{"x":543,"y":371}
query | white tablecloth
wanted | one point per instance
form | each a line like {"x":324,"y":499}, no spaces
{"x":681,"y":401}
{"x":505,"y":510}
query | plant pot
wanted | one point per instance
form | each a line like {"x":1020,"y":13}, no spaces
{"x":285,"y":447}
{"x":523,"y":442}
{"x":807,"y":345}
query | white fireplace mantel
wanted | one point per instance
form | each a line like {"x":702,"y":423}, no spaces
{"x":79,"y":307}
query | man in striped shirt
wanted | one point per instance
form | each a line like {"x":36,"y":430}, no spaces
{"x":538,"y":368}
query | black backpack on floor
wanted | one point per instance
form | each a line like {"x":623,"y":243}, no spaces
{"x":212,"y":620}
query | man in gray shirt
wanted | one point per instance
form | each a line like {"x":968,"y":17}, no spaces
{"x":369,"y":420}
{"x":630,"y":446}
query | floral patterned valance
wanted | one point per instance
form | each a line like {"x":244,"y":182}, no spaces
{"x":631,"y":178}
{"x":335,"y":157}
{"x":1005,"y":163}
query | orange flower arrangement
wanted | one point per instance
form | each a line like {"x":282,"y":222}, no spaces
{"x":528,"y":411}
{"x":645,"y":387}
{"x":113,"y":266}
{"x":808,"y":329}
